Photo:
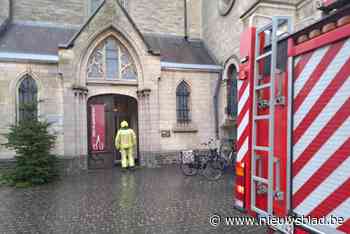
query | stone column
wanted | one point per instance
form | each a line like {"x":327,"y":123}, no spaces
{"x":84,"y":129}
{"x":145,"y":126}
{"x":80,"y":128}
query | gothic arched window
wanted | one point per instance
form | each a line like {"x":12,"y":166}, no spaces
{"x":27,"y":99}
{"x":111,"y":61}
{"x":183,"y":103}
{"x":232,"y":99}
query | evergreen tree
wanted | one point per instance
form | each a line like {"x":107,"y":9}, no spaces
{"x":32,"y":143}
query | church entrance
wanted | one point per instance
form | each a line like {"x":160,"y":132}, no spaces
{"x":105,"y":113}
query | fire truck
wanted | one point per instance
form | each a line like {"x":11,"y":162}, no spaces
{"x":293,"y":124}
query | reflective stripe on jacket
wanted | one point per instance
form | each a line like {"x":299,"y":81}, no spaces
{"x":126,"y":138}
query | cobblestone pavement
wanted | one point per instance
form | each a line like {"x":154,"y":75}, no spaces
{"x":145,"y":201}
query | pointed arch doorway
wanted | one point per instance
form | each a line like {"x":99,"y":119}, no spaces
{"x":105,"y":113}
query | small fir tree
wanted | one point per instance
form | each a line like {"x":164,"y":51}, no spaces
{"x":32,"y":143}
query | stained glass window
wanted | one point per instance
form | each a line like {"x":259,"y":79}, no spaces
{"x":128,"y":67}
{"x":111,"y":61}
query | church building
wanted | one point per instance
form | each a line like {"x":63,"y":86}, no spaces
{"x":168,"y":67}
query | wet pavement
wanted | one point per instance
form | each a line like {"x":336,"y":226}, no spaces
{"x":158,"y":200}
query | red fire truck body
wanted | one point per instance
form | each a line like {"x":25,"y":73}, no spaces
{"x":293,"y":124}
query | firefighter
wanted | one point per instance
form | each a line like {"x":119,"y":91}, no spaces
{"x":124,"y":142}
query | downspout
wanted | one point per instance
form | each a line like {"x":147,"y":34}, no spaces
{"x":216,"y":104}
{"x":185,"y":20}
{"x":10,"y":11}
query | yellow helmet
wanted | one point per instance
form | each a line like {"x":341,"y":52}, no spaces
{"x":124,"y":124}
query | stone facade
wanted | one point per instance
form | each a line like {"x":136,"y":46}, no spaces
{"x":194,"y":18}
{"x":202,"y":127}
{"x":50,"y":91}
{"x":151,"y":16}
{"x":221,"y":34}
{"x":160,"y":16}
{"x":110,"y":20}
{"x":66,"y":12}
{"x":306,"y":14}
{"x":64,"y":90}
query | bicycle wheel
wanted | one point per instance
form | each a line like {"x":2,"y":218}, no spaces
{"x":219,"y":160}
{"x":219,"y":163}
{"x":188,"y":163}
{"x":212,"y":173}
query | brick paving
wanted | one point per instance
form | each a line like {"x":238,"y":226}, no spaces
{"x":159,"y":200}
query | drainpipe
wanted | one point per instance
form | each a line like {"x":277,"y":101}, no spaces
{"x":216,"y":104}
{"x":10,"y":11}
{"x":185,"y":20}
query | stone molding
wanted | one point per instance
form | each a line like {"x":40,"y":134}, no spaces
{"x":185,"y":128}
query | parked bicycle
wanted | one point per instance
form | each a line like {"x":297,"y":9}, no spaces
{"x":194,"y":161}
{"x":227,"y":155}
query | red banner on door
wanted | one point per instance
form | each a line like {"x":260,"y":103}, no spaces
{"x":98,"y":127}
